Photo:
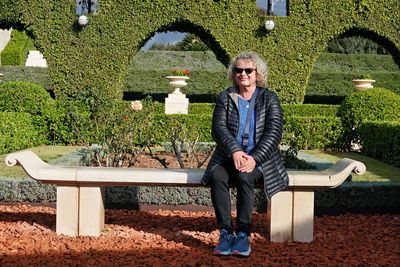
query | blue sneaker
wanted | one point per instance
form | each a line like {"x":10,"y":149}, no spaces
{"x":226,"y":241}
{"x":242,"y":245}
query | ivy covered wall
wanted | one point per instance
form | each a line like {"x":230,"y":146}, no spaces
{"x":96,"y":57}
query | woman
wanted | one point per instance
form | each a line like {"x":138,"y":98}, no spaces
{"x":247,"y":150}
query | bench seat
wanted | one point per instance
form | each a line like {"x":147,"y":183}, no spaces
{"x":80,"y":207}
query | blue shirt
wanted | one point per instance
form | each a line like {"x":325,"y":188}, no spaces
{"x":243,"y":106}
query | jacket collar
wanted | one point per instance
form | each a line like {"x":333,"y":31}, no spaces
{"x":234,"y":94}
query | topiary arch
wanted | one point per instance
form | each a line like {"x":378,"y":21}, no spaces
{"x":96,"y":58}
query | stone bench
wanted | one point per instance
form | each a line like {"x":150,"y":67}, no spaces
{"x":80,"y":201}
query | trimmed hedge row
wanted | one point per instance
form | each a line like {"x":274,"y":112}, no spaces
{"x":374,"y":104}
{"x":98,"y":56}
{"x":27,"y":74}
{"x":17,"y":49}
{"x":299,"y":132}
{"x":309,"y":110}
{"x":339,"y":84}
{"x":17,"y":132}
{"x":312,"y":132}
{"x":381,"y":140}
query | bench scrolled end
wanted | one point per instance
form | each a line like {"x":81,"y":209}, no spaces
{"x":11,"y":160}
{"x":24,"y":158}
{"x":358,"y":167}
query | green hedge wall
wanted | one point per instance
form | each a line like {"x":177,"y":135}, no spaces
{"x":97,"y":57}
{"x":312,"y":132}
{"x":17,"y":131}
{"x":339,"y":84}
{"x":8,"y":13}
{"x":381,"y":140}
{"x":309,"y":110}
{"x":299,"y":132}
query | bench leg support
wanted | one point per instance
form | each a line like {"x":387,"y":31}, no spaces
{"x":303,"y":216}
{"x":279,"y":213}
{"x":291,"y":216}
{"x":67,"y":217}
{"x":91,"y":211}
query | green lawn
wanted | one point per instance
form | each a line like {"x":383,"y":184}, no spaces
{"x":377,"y":171}
{"x":46,"y":153}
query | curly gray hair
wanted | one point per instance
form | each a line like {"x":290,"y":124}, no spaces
{"x":260,"y":64}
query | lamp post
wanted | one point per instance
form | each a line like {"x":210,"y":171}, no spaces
{"x":269,"y":7}
{"x":269,"y":23}
{"x":84,"y":7}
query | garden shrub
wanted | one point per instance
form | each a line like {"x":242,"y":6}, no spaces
{"x":17,"y":131}
{"x":33,"y":99}
{"x":88,"y":123}
{"x":372,"y":104}
{"x":381,"y":140}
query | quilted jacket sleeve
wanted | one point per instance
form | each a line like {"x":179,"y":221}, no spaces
{"x":222,"y":136}
{"x":271,"y":132}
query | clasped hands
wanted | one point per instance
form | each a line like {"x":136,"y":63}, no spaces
{"x":243,"y":162}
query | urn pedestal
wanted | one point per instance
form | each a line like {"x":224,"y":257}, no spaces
{"x":176,"y":102}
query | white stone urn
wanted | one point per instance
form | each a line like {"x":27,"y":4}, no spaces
{"x":363,"y":84}
{"x":177,"y":82}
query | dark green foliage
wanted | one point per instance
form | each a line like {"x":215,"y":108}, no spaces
{"x":17,"y":49}
{"x":27,"y":74}
{"x":164,"y":46}
{"x":196,"y":127}
{"x":74,"y":125}
{"x":148,"y":70}
{"x":33,"y":99}
{"x":312,"y":132}
{"x":85,"y":124}
{"x":373,"y":104}
{"x":98,"y":56}
{"x":17,"y":132}
{"x":8,"y":13}
{"x":330,"y":80}
{"x":201,"y":108}
{"x":355,"y":45}
{"x":154,"y":82}
{"x":308,"y":110}
{"x":381,"y":140}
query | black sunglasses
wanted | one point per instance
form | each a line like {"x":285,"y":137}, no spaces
{"x":240,"y":70}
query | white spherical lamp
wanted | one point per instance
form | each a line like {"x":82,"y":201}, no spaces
{"x":269,"y":25}
{"x":83,"y":20}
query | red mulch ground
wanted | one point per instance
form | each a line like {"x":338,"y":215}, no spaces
{"x":183,"y":238}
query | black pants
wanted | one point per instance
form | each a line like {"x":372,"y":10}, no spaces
{"x":220,"y":179}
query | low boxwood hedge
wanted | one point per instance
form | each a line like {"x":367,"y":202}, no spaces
{"x":309,"y":110}
{"x":17,"y":132}
{"x":381,"y":140}
{"x":312,"y":132}
{"x":373,"y":104}
{"x":33,"y":99}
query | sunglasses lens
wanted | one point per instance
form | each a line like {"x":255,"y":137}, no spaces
{"x":247,"y":70}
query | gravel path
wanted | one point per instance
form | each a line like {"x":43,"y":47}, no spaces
{"x":183,"y":238}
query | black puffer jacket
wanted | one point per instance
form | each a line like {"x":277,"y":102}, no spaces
{"x":268,"y":133}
